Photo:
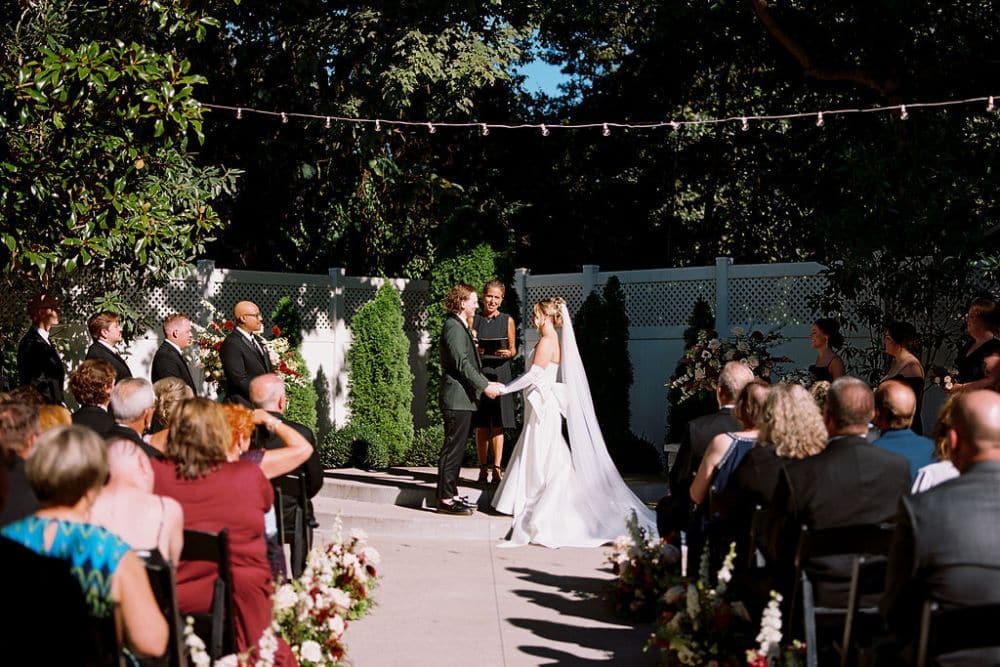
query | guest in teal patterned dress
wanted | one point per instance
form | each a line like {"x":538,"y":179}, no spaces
{"x":67,"y":468}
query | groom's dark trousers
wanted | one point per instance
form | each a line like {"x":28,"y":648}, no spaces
{"x":462,"y":383}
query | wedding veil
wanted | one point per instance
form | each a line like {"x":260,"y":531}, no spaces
{"x":610,"y":499}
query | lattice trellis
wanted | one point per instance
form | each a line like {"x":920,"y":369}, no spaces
{"x":414,"y":305}
{"x":573,"y":294}
{"x":778,"y":300}
{"x":313,"y":301}
{"x":177,"y":296}
{"x":665,"y":304}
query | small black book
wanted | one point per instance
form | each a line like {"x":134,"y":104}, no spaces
{"x":491,"y":345}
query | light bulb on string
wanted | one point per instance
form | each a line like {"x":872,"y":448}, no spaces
{"x":284,"y":118}
{"x":989,"y":104}
{"x":819,"y":120}
{"x":239,"y":114}
{"x":545,"y":130}
{"x":674,"y":124}
{"x":378,"y":125}
{"x":327,"y":124}
{"x":486,"y":130}
{"x":744,"y":124}
{"x":605,"y":131}
{"x":431,"y":128}
{"x":903,"y":113}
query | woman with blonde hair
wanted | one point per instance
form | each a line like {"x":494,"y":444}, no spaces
{"x":216,"y":493}
{"x":67,"y":468}
{"x":170,"y":391}
{"x":933,"y":474}
{"x":559,"y":495}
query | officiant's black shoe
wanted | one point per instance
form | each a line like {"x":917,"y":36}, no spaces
{"x":455,"y":507}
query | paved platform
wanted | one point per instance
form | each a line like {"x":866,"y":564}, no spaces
{"x":451,"y":596}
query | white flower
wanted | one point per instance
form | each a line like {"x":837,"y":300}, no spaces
{"x":336,"y":625}
{"x":273,"y":356}
{"x":699,"y":374}
{"x":228,"y":661}
{"x":706,"y":355}
{"x":358,"y":534}
{"x":340,"y":598}
{"x":753,"y":362}
{"x":738,"y":331}
{"x":770,"y":625}
{"x":311,"y":651}
{"x":743,"y":347}
{"x":285,"y":598}
{"x":714,"y":344}
{"x":371,"y":555}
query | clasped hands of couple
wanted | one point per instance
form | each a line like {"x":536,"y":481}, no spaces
{"x":494,"y":389}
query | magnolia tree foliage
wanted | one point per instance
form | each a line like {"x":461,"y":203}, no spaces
{"x":97,"y":118}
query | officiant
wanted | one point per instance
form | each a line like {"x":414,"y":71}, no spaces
{"x":496,"y":341}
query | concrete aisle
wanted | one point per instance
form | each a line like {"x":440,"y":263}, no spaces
{"x":468,"y":603}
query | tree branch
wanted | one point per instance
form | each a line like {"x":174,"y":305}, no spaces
{"x":885,"y":87}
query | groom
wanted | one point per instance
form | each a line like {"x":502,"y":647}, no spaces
{"x":462,"y":384}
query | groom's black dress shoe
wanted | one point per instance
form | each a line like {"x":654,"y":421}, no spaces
{"x":454,"y":507}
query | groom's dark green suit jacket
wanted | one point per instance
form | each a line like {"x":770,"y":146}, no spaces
{"x":462,"y":383}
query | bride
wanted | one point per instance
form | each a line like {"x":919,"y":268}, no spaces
{"x":562,"y":496}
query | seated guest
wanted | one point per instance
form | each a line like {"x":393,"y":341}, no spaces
{"x":170,"y":391}
{"x":934,"y":473}
{"x":895,"y":405}
{"x":791,"y":427}
{"x":26,"y":394}
{"x":43,"y":588}
{"x":672,"y":510}
{"x":216,"y":493}
{"x":726,"y":450}
{"x":91,"y":383}
{"x":67,"y":468}
{"x":944,"y":548}
{"x":50,"y":416}
{"x":850,"y":482}
{"x":128,"y":507}
{"x":818,"y":391}
{"x":132,"y":402}
{"x":18,"y":432}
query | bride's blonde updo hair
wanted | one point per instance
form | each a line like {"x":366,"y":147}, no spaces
{"x":550,"y":308}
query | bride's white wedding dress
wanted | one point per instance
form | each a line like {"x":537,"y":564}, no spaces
{"x":564,"y":495}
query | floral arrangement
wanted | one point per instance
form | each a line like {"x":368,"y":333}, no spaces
{"x":698,"y":370}
{"x":645,"y":567}
{"x":769,"y":652}
{"x":698,"y":624}
{"x":798,"y":376}
{"x":946,"y":378}
{"x":311,"y":612}
{"x":209,"y":341}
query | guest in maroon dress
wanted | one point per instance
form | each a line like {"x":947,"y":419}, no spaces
{"x":215,"y":494}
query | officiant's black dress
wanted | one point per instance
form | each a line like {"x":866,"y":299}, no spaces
{"x":494,"y":412}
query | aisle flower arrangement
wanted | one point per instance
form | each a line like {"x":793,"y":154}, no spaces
{"x":699,"y":624}
{"x":769,"y":651}
{"x":209,"y":339}
{"x":699,"y":368}
{"x":645,"y":568}
{"x":312,"y":612}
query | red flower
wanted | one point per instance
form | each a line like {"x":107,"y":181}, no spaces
{"x":228,"y":325}
{"x":276,"y":330}
{"x":214,"y":326}
{"x":217,"y":346}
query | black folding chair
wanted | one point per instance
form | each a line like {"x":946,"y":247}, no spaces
{"x":163,"y":583}
{"x":952,"y":630}
{"x":217,"y":627}
{"x":291,"y":501}
{"x":866,"y":545}
{"x":107,"y":647}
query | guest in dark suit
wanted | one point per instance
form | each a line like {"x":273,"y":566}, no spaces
{"x":267,"y":392}
{"x":106,"y":332}
{"x":91,"y":383}
{"x":132,"y":402}
{"x":944,"y":547}
{"x":850,"y":482}
{"x":672,"y":510}
{"x":895,"y":405}
{"x":38,"y":363}
{"x":169,"y":359}
{"x":462,"y":384}
{"x":243,"y":354}
{"x":18,"y":432}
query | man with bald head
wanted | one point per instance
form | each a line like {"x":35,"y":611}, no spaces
{"x":895,"y":405}
{"x":850,"y":482}
{"x":947,"y":545}
{"x":243,"y":354}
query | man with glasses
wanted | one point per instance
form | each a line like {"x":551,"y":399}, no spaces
{"x":243,"y":353}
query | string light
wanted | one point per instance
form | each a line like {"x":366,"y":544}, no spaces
{"x":605,"y":126}
{"x":327,"y":124}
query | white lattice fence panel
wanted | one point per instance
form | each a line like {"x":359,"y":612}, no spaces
{"x":177,"y":296}
{"x":415,"y":309}
{"x":573,"y":294}
{"x":665,"y":303}
{"x":312,"y":300}
{"x":773,"y":300}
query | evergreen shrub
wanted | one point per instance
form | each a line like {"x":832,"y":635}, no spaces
{"x":356,"y":445}
{"x":426,"y":447}
{"x":380,"y":382}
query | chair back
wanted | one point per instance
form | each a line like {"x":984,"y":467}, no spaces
{"x":162,"y":581}
{"x":220,"y":622}
{"x":292,"y":502}
{"x":948,"y":631}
